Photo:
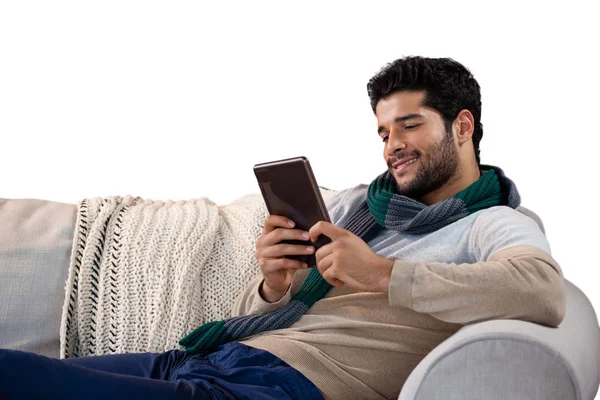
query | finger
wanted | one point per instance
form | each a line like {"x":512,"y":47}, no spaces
{"x":277,"y":221}
{"x":274,"y":265}
{"x":327,"y":229}
{"x":324,"y":264}
{"x":290,"y":234}
{"x":323,"y":252}
{"x":328,"y":273}
{"x":337,"y":283}
{"x":285,"y":249}
{"x":280,"y":234}
{"x":330,"y":276}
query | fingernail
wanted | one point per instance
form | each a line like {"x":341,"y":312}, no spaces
{"x":309,"y":249}
{"x":304,"y":265}
{"x":291,"y":223}
{"x":305,"y":235}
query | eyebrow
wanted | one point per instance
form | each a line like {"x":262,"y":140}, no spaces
{"x":397,"y":120}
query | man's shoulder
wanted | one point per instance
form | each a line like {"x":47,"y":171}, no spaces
{"x":505,"y":215}
{"x":332,"y":196}
{"x":500,"y":227}
{"x":498,"y":212}
{"x":341,"y":203}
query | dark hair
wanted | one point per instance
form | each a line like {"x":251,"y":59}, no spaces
{"x":449,"y":88}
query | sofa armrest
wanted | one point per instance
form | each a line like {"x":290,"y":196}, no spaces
{"x":510,"y":359}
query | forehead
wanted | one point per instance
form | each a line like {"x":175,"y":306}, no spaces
{"x":399,"y":104}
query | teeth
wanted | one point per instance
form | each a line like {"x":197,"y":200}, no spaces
{"x":406,"y":163}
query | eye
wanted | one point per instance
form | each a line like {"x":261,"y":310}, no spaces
{"x":384,"y":138}
{"x":411,"y":127}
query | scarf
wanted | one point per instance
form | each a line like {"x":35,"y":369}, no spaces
{"x":383,"y":208}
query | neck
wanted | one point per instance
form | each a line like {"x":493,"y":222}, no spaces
{"x":460,"y":181}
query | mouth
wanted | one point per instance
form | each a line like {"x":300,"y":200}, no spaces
{"x":402,"y":165}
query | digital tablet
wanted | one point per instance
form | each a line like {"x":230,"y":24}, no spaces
{"x":290,"y":189}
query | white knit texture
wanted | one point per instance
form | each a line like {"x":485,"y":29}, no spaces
{"x":144,"y":273}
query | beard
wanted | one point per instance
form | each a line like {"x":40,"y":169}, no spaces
{"x":433,"y":172}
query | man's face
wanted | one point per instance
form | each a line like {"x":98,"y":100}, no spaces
{"x":420,"y":154}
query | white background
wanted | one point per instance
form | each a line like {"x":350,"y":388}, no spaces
{"x":178,"y":100}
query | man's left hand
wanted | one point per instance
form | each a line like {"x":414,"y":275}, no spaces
{"x":349,"y":260}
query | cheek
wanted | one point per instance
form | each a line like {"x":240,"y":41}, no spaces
{"x":426,"y":145}
{"x":386,"y":157}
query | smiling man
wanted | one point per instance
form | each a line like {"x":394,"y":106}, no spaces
{"x":433,"y":243}
{"x":421,"y":151}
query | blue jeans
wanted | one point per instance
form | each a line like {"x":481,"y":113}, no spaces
{"x":233,"y":371}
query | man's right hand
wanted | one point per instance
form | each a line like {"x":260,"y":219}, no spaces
{"x":276,"y":269}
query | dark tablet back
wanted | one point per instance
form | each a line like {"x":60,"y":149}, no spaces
{"x":290,"y":189}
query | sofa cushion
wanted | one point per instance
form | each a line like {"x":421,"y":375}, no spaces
{"x":35,"y":247}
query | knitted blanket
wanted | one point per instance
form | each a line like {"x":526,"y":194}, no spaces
{"x":144,"y":273}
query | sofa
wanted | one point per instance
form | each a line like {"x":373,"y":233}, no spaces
{"x":500,"y":359}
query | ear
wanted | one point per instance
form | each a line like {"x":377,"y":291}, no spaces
{"x":464,"y":126}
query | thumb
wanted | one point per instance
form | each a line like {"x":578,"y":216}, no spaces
{"x":325,"y":228}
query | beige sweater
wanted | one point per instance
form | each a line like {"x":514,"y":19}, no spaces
{"x":355,"y":345}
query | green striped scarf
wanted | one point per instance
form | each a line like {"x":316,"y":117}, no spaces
{"x":383,"y":208}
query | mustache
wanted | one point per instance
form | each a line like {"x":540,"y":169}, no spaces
{"x":400,"y":156}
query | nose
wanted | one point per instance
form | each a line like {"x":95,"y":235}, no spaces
{"x":396,"y":143}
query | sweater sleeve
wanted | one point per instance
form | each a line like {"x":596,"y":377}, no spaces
{"x":521,"y":282}
{"x":250,"y":302}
